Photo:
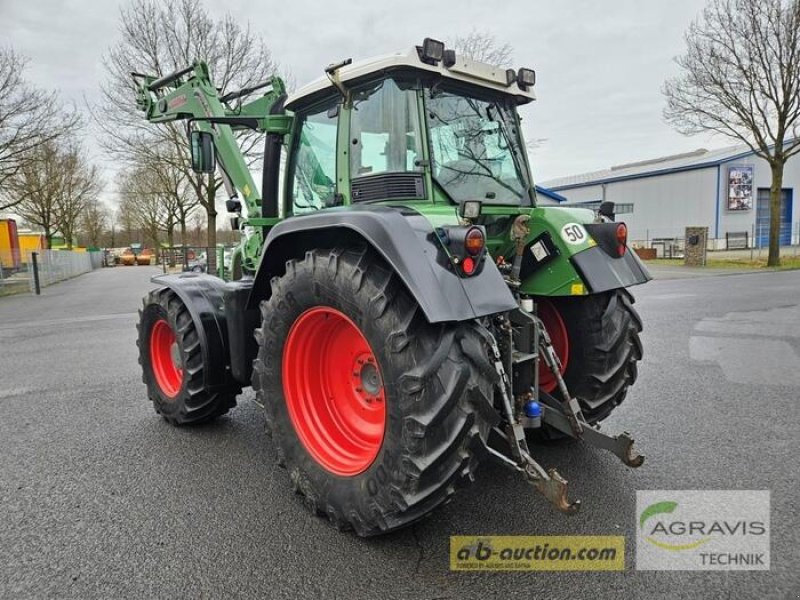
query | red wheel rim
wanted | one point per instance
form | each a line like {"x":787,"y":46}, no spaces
{"x":334,"y":391}
{"x":165,"y":359}
{"x":558,"y":337}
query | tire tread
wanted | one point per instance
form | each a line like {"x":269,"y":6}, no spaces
{"x":445,"y":394}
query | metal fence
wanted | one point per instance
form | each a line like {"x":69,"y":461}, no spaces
{"x":52,"y":266}
{"x":671,"y":244}
{"x":59,"y":265}
{"x":215,"y":260}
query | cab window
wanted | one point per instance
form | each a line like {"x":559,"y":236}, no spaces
{"x":384,"y":130}
{"x":313,"y":178}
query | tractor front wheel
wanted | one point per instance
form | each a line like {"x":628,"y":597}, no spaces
{"x":377,"y":415}
{"x":172,"y":363}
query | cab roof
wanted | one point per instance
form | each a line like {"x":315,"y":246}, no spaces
{"x":464,"y":70}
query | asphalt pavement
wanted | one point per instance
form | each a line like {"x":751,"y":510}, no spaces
{"x":101,"y":498}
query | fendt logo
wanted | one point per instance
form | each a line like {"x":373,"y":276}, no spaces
{"x":702,"y":530}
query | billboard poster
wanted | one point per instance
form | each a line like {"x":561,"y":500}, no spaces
{"x":740,"y":188}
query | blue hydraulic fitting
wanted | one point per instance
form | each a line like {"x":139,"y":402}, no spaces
{"x":533,"y":415}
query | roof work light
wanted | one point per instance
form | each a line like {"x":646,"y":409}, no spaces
{"x":526,"y":78}
{"x":432,"y":51}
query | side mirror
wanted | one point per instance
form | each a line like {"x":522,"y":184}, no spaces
{"x":607,"y":210}
{"x":203,"y":157}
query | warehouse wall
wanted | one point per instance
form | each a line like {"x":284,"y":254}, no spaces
{"x":589,"y":193}
{"x":663,"y":205}
{"x":731,"y":221}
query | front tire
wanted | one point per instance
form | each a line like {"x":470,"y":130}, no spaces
{"x":172,"y":363}
{"x":378,"y":448}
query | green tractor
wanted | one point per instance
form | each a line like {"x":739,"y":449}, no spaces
{"x":400,"y":304}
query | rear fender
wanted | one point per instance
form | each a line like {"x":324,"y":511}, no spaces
{"x":578,"y":258}
{"x":408,"y":245}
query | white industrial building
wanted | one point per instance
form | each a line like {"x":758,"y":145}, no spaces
{"x":725,"y":190}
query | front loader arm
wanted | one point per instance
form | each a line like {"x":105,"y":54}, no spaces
{"x":188,"y":94}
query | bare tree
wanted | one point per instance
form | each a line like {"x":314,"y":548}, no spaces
{"x":163,"y":199}
{"x":36,"y":184}
{"x":95,"y":223}
{"x":158,"y":38}
{"x":142,"y":205}
{"x":79,"y":185}
{"x":198,"y":232}
{"x":126,"y":221}
{"x":54,"y":186}
{"x":154,"y":198}
{"x":29,"y":118}
{"x":741,"y":78}
{"x":176,"y":188}
{"x":484,"y":47}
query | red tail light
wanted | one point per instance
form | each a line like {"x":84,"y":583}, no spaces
{"x":474,"y":241}
{"x":622,"y":238}
{"x":468,"y":265}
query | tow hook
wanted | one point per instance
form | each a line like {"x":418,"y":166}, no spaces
{"x":552,"y":486}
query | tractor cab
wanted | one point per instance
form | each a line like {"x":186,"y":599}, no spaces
{"x":419,"y":126}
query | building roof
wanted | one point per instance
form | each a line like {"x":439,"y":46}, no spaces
{"x":698,"y":159}
{"x":466,"y":70}
{"x":550,"y":194}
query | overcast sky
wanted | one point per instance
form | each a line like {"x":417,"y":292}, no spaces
{"x":600,"y":65}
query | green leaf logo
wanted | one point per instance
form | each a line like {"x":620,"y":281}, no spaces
{"x":658,"y":508}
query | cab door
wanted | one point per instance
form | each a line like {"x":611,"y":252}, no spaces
{"x":312,"y":176}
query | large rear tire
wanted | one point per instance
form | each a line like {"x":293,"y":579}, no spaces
{"x":172,"y":363}
{"x":599,"y":334}
{"x":377,"y":415}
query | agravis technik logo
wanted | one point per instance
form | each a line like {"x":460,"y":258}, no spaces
{"x":702,"y":530}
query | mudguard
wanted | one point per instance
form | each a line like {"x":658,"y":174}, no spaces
{"x":407,"y":243}
{"x":582,"y":256}
{"x":203,"y":297}
{"x":602,"y":272}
